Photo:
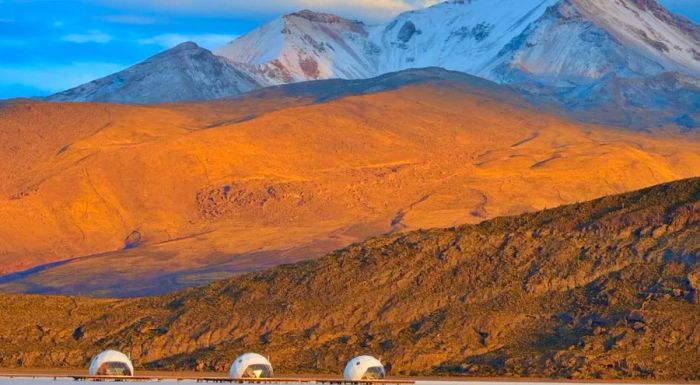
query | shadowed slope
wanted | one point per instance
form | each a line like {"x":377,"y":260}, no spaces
{"x":184,"y":72}
{"x":327,"y":90}
{"x":603,"y":289}
{"x":669,"y":100}
{"x":170,"y":196}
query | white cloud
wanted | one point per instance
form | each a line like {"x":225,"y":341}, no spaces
{"x":89,"y":37}
{"x":53,"y":78}
{"x":361,"y":9}
{"x":169,"y":40}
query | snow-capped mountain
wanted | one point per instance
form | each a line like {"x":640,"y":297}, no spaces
{"x":572,"y":40}
{"x":305,"y":46}
{"x":185,"y":72}
{"x":583,"y":40}
{"x":466,"y":36}
{"x":543,"y":47}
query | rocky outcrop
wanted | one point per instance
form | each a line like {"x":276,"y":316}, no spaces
{"x":604,"y":289}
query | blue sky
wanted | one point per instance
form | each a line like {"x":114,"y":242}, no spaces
{"x":50,"y":45}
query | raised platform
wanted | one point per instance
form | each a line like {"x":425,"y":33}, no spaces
{"x":324,"y":381}
{"x":281,"y":380}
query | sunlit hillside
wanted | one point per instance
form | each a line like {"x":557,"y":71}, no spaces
{"x":141,"y":200}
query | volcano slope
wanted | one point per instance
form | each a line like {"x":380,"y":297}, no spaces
{"x":603,"y":289}
{"x":118,"y":200}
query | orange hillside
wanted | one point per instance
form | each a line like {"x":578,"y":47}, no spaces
{"x":162,"y":197}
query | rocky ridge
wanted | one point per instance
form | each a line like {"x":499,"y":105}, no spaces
{"x":603,"y":289}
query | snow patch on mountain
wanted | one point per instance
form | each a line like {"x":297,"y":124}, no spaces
{"x":185,"y":72}
{"x":305,"y":46}
{"x":464,"y":36}
{"x":648,"y":29}
{"x":566,"y":47}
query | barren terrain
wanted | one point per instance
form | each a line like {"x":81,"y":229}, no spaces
{"x":107,"y":200}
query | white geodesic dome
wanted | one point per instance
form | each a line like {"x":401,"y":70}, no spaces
{"x":364,"y":368}
{"x":111,"y":363}
{"x":251,"y":365}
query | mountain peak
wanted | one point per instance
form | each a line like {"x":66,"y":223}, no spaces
{"x":186,"y":46}
{"x":304,"y":45}
{"x":648,"y":30}
{"x":663,"y":14}
{"x":317,"y":17}
{"x":184,"y":72}
{"x":646,"y":4}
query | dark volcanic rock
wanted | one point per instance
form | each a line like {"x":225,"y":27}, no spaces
{"x":407,"y":31}
{"x":132,"y":240}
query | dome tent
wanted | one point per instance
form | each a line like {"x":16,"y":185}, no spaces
{"x":111,"y":363}
{"x":364,"y":368}
{"x":251,"y":365}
